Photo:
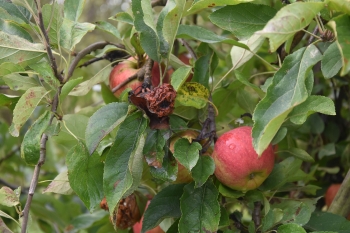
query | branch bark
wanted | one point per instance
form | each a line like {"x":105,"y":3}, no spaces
{"x":341,"y":202}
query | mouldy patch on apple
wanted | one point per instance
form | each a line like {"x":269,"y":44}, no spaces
{"x":237,"y":165}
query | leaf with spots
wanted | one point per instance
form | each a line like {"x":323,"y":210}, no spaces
{"x":30,"y":147}
{"x":124,"y":161}
{"x":8,"y":197}
{"x":288,"y":21}
{"x":289,"y":88}
{"x":193,"y":94}
{"x":85,"y":174}
{"x":200,"y":208}
{"x":19,"y":51}
{"x":25,"y":107}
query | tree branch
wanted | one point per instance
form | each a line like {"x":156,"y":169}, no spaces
{"x":83,"y":53}
{"x":47,"y":44}
{"x":256,"y":215}
{"x":341,"y":202}
{"x":4,"y":87}
{"x":189,"y":48}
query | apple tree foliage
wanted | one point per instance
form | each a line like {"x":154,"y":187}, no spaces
{"x":66,"y":142}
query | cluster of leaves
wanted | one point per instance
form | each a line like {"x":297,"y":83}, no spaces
{"x":288,"y":67}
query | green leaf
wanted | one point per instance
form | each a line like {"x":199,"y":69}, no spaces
{"x":245,"y":80}
{"x":179,"y":76}
{"x":74,"y":129}
{"x":201,"y":69}
{"x":9,"y":68}
{"x":228,"y":192}
{"x":18,"y":82}
{"x":9,"y":198}
{"x":123,"y":165}
{"x":19,"y":51}
{"x":53,"y":17}
{"x":144,"y":23}
{"x":290,"y":227}
{"x":202,"y":4}
{"x":108,"y":27}
{"x":332,"y":61}
{"x":102,"y":122}
{"x":187,"y":153}
{"x":204,"y":168}
{"x":168,"y":24}
{"x":205,"y":35}
{"x":281,"y":174}
{"x":246,"y":101}
{"x":68,"y":86}
{"x":153,"y":149}
{"x":84,"y":87}
{"x":314,"y":103}
{"x":8,"y":100}
{"x":325,"y":221}
{"x":73,"y":9}
{"x":288,"y":89}
{"x":240,"y":56}
{"x":30,"y":147}
{"x":17,"y":11}
{"x":289,"y":20}
{"x":85,"y":174}
{"x":177,"y":124}
{"x":25,"y":107}
{"x":341,"y":28}
{"x":45,"y":71}
{"x":168,"y":170}
{"x":271,"y":219}
{"x":84,"y":221}
{"x":59,"y":185}
{"x":4,"y":228}
{"x":200,"y":208}
{"x":243,"y":19}
{"x":123,"y":17}
{"x":13,"y":28}
{"x":298,"y":153}
{"x":193,"y":94}
{"x":72,"y":32}
{"x":339,"y":5}
{"x":166,"y":204}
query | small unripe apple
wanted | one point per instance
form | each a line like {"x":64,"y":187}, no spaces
{"x":138,"y":226}
{"x":123,"y":70}
{"x":237,"y":165}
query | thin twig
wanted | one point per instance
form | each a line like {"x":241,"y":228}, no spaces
{"x":311,"y":39}
{"x":4,"y":87}
{"x":10,"y":154}
{"x":189,"y":48}
{"x":83,"y":53}
{"x":120,"y":85}
{"x":47,"y":44}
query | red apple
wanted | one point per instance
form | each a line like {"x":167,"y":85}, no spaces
{"x":237,"y":165}
{"x":138,"y":226}
{"x":128,"y":68}
{"x":330,"y":193}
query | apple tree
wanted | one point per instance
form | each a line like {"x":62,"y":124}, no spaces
{"x":107,"y":122}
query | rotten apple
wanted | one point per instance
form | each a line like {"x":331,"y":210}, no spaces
{"x":237,"y":165}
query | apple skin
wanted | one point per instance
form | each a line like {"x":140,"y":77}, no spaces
{"x":128,"y":68}
{"x":330,"y":193}
{"x":237,"y":165}
{"x":138,"y":226}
